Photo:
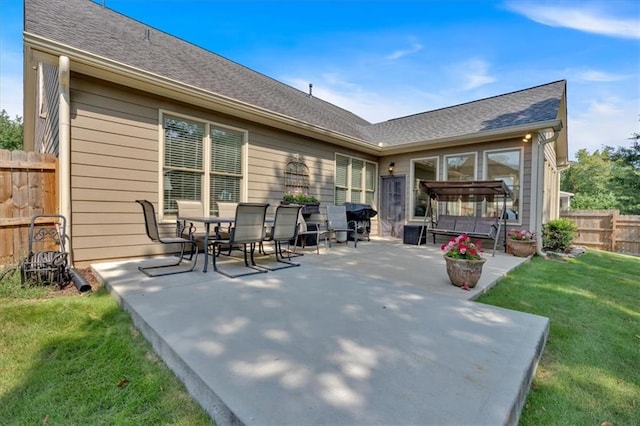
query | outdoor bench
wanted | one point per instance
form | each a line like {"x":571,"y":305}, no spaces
{"x":475,"y":227}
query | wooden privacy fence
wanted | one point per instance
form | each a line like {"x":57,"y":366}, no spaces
{"x":27,"y":187}
{"x":606,"y":230}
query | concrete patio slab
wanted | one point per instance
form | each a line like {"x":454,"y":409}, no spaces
{"x":373,"y":335}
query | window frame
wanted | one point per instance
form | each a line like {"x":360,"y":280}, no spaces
{"x":517,"y":196}
{"x":363,"y":189}
{"x":444,"y":207}
{"x":414,"y":183}
{"x":207,"y":171}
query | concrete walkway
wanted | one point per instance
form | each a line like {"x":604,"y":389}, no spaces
{"x":373,"y":335}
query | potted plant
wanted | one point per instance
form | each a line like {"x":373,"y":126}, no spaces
{"x":464,"y":261}
{"x":310,"y":203}
{"x":521,"y":243}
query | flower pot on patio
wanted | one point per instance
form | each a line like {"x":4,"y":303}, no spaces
{"x":521,"y":248}
{"x":464,"y":271}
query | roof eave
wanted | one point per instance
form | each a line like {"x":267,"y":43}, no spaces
{"x":107,"y":69}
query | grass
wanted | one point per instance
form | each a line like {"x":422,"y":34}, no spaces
{"x":78,"y":360}
{"x":590,"y":369}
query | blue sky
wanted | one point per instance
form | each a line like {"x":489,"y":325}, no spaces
{"x":387,"y":59}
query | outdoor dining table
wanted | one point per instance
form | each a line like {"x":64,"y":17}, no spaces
{"x":207,"y":221}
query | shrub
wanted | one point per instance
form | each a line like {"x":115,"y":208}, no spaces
{"x":558,"y":234}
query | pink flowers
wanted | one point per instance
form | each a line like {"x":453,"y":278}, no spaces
{"x":461,"y":247}
{"x":520,"y":235}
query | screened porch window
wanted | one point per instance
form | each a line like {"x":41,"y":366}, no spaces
{"x":355,"y":180}
{"x":461,"y":167}
{"x":423,"y":169}
{"x":201,"y":161}
{"x":506,"y":166}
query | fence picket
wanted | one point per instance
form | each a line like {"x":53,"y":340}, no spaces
{"x":606,"y":230}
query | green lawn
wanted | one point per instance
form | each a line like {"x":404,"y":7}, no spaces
{"x":590,"y":369}
{"x":78,"y":360}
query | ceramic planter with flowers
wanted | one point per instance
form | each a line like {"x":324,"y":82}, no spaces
{"x":464,"y":261}
{"x":521,"y":243}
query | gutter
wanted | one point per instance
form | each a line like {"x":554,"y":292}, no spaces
{"x":64,"y":143}
{"x":540,"y":186}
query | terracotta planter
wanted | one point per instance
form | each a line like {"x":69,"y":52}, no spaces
{"x":463,"y":271}
{"x":521,"y":248}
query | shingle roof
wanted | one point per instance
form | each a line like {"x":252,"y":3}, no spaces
{"x":86,"y":25}
{"x":528,"y":106}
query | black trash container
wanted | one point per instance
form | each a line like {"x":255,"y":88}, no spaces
{"x":412,"y":234}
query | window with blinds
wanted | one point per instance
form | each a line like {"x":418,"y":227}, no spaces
{"x":355,"y":180}
{"x":187,"y":176}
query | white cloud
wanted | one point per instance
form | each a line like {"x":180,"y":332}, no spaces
{"x":608,"y":121}
{"x":581,"y":18}
{"x":600,"y":76}
{"x":415,"y":48}
{"x":472,"y":74}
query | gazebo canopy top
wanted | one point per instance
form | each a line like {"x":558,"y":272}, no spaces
{"x":477,"y":190}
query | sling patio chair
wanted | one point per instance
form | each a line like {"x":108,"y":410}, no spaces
{"x":319,"y":230}
{"x":337,"y":224}
{"x":151,"y":226}
{"x":190,"y":208}
{"x":248,"y":231}
{"x":284,"y":230}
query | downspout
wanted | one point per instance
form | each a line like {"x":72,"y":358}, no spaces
{"x":64,"y":144}
{"x":540,"y":187}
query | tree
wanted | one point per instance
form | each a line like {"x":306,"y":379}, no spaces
{"x":606,"y":180}
{"x":626,"y":177}
{"x":11,"y":132}
{"x":589,"y":175}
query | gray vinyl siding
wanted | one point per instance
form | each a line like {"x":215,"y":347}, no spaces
{"x":114,"y":143}
{"x":46,"y":111}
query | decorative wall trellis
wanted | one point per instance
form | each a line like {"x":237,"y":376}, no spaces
{"x":296,"y":177}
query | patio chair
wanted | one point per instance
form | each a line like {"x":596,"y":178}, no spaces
{"x":225,"y":209}
{"x":151,"y":226}
{"x":189,"y":208}
{"x":337,"y":223}
{"x":248,"y":231}
{"x":284,"y":230}
{"x":317,"y":229}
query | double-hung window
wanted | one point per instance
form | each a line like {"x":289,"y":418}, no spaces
{"x":201,"y":161}
{"x":355,"y":180}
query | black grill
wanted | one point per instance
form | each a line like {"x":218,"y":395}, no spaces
{"x":360,"y":213}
